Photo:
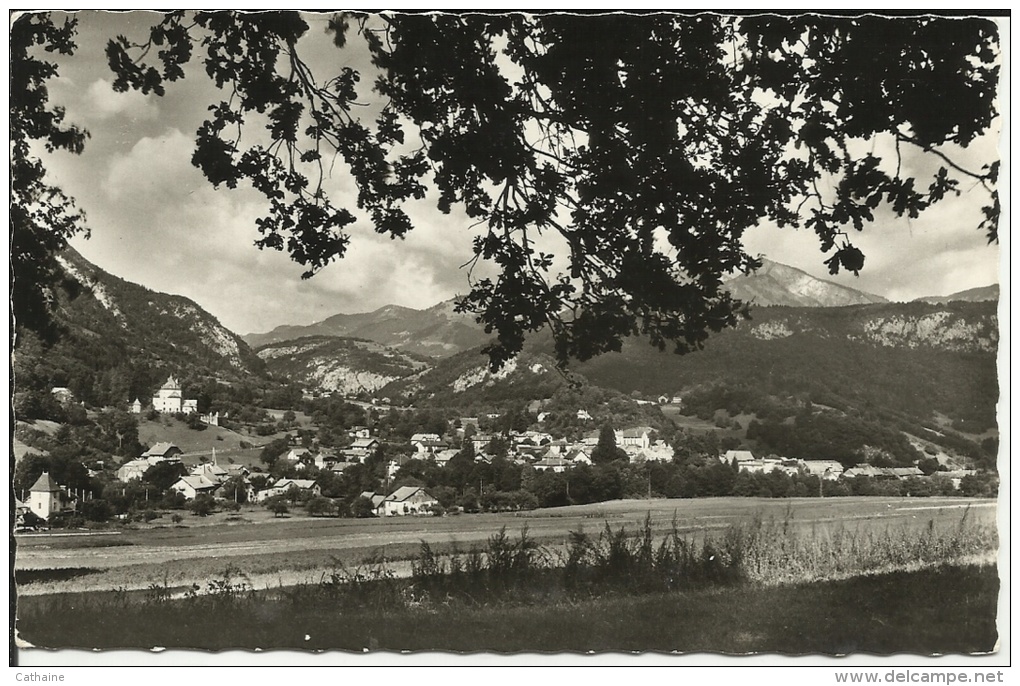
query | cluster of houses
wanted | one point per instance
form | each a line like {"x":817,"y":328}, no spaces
{"x":363,"y":445}
{"x":828,"y":470}
{"x":542,"y":451}
{"x":207,"y":477}
{"x":161,"y":452}
{"x":535,"y":448}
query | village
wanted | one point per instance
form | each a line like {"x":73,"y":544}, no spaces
{"x":302,"y":473}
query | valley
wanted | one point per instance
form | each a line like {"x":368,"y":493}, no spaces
{"x":758,"y":412}
{"x":174,"y":468}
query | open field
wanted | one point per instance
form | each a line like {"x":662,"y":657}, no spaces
{"x":196,"y":444}
{"x":287,"y":551}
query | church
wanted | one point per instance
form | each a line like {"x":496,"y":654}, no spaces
{"x":169,"y":399}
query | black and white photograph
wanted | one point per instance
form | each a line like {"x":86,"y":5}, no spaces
{"x":359,"y":333}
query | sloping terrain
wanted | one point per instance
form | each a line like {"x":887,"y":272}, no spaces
{"x":344,"y":365}
{"x":779,"y":284}
{"x":889,"y":359}
{"x":121,"y":340}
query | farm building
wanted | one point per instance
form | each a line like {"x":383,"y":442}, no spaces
{"x":406,"y":500}
{"x":364,"y":445}
{"x":284,"y":486}
{"x":163,"y":451}
{"x":375,"y":498}
{"x":830,"y":470}
{"x":738,"y":455}
{"x":443,"y":457}
{"x":133,"y":469}
{"x":193,"y":486}
{"x":211,"y":471}
{"x":863,"y":470}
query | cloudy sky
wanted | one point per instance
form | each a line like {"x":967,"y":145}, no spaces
{"x":155,"y":220}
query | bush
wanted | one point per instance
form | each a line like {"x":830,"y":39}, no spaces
{"x":469,"y":501}
{"x":31,"y":520}
{"x":319,"y":506}
{"x":174,"y":500}
{"x":362,"y":507}
{"x":176,"y":518}
{"x":277,"y":505}
{"x":202,"y":506}
{"x":96,"y":510}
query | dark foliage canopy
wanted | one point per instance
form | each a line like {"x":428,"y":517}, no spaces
{"x":645,"y":145}
{"x":42,"y":216}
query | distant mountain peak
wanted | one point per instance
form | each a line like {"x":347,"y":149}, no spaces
{"x":780,"y":284}
{"x":980,"y":294}
{"x":435,"y":332}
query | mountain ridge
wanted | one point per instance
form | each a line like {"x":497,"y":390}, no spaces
{"x":979,"y":294}
{"x":437,"y":331}
{"x":893,"y":359}
{"x":120,"y":339}
{"x":776,"y":284}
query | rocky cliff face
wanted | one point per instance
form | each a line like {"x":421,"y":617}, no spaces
{"x":952,"y":329}
{"x":941,"y":330}
{"x":341,"y":365}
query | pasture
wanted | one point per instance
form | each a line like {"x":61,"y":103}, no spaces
{"x":275,"y":552}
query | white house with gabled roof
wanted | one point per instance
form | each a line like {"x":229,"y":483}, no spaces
{"x":44,"y":498}
{"x":406,"y":500}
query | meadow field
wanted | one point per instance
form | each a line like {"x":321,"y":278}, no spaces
{"x":298,"y":549}
{"x":799,"y":576}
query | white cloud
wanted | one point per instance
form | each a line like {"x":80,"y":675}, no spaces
{"x":153,"y":171}
{"x":102,"y":102}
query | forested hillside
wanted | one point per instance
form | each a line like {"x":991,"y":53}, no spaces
{"x":120,"y":341}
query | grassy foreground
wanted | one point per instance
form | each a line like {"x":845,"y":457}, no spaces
{"x":762,"y":586}
{"x":936,"y":610}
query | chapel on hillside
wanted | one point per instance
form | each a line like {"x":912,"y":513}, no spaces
{"x":169,"y":399}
